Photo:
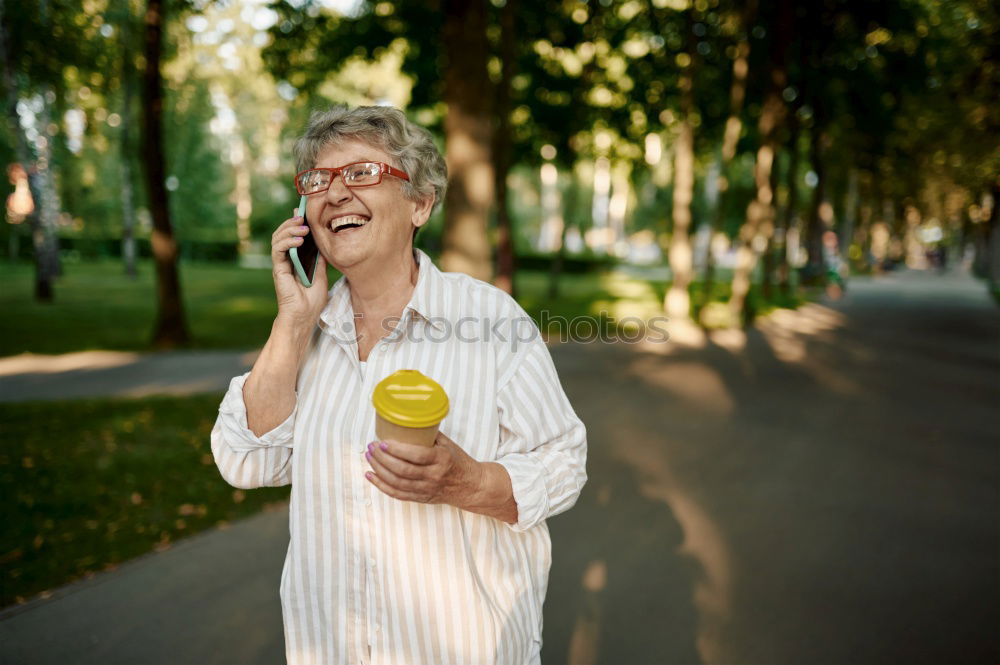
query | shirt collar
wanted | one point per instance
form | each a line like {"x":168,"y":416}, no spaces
{"x":427,"y":300}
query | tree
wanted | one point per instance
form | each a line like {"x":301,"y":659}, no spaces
{"x":170,"y":329}
{"x":760,"y":214}
{"x":677,"y":302}
{"x":42,"y":70}
{"x":731,"y":136}
{"x":468,"y":135}
{"x":503,"y":151}
{"x":122,"y":17}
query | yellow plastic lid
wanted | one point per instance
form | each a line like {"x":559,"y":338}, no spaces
{"x":410,"y":399}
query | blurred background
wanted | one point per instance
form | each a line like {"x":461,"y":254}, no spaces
{"x":805,"y":471}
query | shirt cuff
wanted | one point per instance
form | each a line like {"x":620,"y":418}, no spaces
{"x":233,"y":417}
{"x":527,"y":477}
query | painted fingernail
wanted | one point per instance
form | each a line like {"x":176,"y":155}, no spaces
{"x":369,"y":475}
{"x":371,"y":447}
{"x":368,"y":456}
{"x":383,"y":445}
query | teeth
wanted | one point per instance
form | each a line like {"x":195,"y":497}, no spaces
{"x":342,"y":221}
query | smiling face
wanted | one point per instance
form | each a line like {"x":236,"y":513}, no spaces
{"x":364,"y":225}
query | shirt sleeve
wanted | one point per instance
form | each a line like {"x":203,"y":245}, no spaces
{"x":543,"y":444}
{"x":245,"y":460}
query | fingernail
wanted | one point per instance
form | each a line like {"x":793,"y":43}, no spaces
{"x":369,"y":475}
{"x":371,"y":447}
{"x":383,"y":445}
{"x":368,"y":456}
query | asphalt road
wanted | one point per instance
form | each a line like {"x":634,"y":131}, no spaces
{"x":823,"y":489}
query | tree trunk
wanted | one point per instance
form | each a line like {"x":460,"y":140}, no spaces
{"x":730,"y":139}
{"x":127,"y":199}
{"x":815,"y":272}
{"x":851,"y":203}
{"x":790,"y":217}
{"x":571,"y":206}
{"x":759,"y":224}
{"x":170,"y":329}
{"x":241,"y":192}
{"x":993,"y":235}
{"x":46,"y":234}
{"x":677,"y":302}
{"x":767,"y":260}
{"x":42,"y":220}
{"x":502,"y":151}
{"x":466,"y":247}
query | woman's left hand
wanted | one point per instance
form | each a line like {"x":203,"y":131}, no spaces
{"x":442,"y":473}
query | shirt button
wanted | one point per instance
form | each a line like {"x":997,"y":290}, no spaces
{"x":371,"y":562}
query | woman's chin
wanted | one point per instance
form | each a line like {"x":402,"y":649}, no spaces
{"x":347,"y":255}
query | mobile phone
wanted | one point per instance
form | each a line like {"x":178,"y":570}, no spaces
{"x":304,"y":256}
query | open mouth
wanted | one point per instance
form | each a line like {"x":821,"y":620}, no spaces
{"x":348,"y":222}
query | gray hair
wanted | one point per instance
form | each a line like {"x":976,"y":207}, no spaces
{"x":389,"y":130}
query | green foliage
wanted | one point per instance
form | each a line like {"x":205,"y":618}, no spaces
{"x":309,"y":43}
{"x":93,"y":483}
{"x":902,"y":90}
{"x":46,"y":36}
{"x":201,"y":204}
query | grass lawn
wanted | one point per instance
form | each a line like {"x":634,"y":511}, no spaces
{"x":92,"y":483}
{"x":97,"y":307}
{"x":227,"y":307}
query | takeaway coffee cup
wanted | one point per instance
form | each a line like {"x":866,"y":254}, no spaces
{"x":409,"y":406}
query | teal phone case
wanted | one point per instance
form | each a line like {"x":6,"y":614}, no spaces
{"x":293,"y":253}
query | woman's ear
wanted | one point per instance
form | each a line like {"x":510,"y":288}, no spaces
{"x":422,"y":211}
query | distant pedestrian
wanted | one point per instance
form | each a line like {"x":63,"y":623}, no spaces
{"x":834,"y":265}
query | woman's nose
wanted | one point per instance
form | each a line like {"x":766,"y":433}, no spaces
{"x":338,"y":191}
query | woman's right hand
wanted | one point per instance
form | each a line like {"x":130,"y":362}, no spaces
{"x":298,"y":305}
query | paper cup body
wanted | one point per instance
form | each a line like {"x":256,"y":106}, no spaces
{"x":421,"y":436}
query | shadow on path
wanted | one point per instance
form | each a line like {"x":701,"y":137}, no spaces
{"x":617,"y":579}
{"x":834,"y":476}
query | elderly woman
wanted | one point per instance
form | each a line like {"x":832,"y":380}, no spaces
{"x":400,"y":553}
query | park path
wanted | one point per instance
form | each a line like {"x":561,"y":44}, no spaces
{"x":27,"y":376}
{"x":821,"y":489}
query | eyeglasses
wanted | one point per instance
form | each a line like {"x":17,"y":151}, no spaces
{"x":358,"y":174}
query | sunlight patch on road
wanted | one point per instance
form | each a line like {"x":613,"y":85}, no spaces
{"x":793,"y":336}
{"x":31,"y":363}
{"x":692,"y":382}
{"x":703,"y":542}
{"x":584,"y":642}
{"x":194,"y":387}
{"x":250,"y":357}
{"x":733,"y":340}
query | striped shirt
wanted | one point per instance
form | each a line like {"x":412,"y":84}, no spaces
{"x":372,"y":579}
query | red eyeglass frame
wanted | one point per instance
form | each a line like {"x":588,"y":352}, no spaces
{"x":385,"y":170}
